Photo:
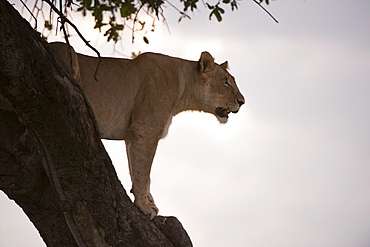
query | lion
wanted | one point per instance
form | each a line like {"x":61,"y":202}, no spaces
{"x":135,"y":100}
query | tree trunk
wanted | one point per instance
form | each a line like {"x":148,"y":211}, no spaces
{"x":52,"y":162}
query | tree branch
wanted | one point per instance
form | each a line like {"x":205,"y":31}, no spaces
{"x":52,"y":162}
{"x":266,"y":11}
{"x":29,"y":11}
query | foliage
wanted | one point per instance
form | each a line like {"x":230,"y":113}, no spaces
{"x":129,"y":10}
{"x":116,"y":15}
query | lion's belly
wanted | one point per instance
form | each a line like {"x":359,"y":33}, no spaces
{"x":112,"y":112}
{"x":107,"y":132}
{"x":113,"y":121}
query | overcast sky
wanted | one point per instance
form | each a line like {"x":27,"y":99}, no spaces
{"x":292,"y":168}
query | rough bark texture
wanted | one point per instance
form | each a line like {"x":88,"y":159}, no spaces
{"x":52,"y":162}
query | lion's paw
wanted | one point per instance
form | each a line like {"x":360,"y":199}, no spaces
{"x":150,"y":198}
{"x":147,"y":207}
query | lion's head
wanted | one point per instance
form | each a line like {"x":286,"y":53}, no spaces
{"x":221,"y":94}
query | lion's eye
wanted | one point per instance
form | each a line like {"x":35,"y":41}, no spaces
{"x":226,"y":81}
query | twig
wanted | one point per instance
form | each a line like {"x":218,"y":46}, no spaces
{"x":29,"y":11}
{"x":62,"y":21}
{"x":65,"y":19}
{"x":180,"y":12}
{"x":266,"y":11}
{"x":173,"y":6}
{"x":134,"y":22}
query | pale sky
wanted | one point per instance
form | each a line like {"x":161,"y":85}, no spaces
{"x":292,"y":168}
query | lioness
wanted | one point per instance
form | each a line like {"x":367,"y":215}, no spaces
{"x":135,"y":100}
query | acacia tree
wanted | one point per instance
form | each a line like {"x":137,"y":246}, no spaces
{"x":52,"y":162}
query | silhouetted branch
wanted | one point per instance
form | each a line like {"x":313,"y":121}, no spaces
{"x":266,"y":11}
{"x":29,"y":11}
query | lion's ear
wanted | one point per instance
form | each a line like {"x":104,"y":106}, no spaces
{"x":225,"y":65}
{"x":206,"y":62}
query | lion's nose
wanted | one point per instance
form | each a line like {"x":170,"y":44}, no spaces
{"x":240,"y":102}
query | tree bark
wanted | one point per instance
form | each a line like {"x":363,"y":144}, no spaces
{"x":52,"y":162}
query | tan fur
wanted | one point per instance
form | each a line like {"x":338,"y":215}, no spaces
{"x":135,"y":100}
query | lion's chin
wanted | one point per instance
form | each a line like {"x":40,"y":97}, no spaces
{"x":222,"y":115}
{"x":222,"y":120}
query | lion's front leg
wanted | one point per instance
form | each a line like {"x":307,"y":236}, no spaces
{"x":140,"y":153}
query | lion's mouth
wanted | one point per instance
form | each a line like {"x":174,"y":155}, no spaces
{"x":223,"y":114}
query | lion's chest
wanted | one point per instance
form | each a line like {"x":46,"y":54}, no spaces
{"x":166,"y":127}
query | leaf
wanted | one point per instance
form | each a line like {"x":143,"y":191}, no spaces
{"x":221,"y":10}
{"x":112,"y":34}
{"x":105,"y":7}
{"x":87,"y":3}
{"x":234,"y":5}
{"x":119,"y":27}
{"x":218,"y":16}
{"x":192,"y":4}
{"x":217,"y":11}
{"x":48,"y":25}
{"x":134,"y":54}
{"x":183,"y":15}
{"x":146,"y":40}
{"x":210,"y":6}
{"x":127,"y":9}
{"x":98,"y":13}
{"x":99,"y":24}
